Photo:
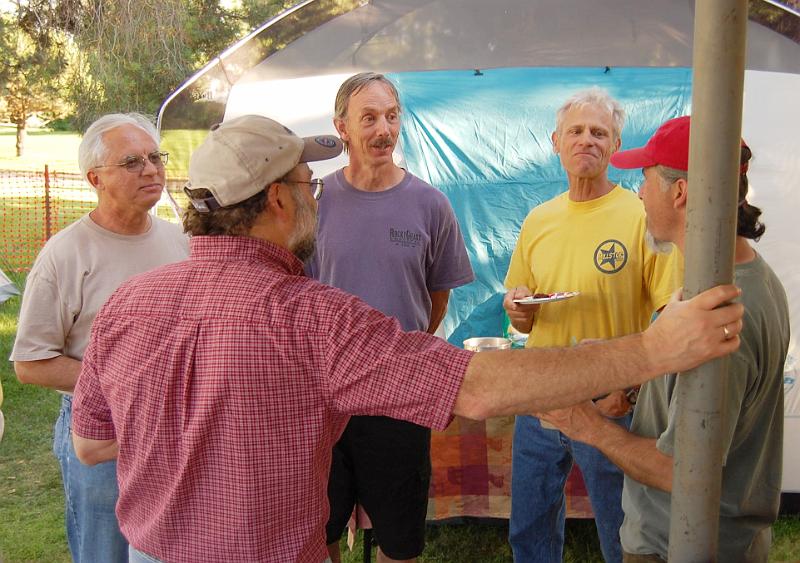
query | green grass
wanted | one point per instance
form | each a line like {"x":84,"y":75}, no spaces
{"x":59,"y":150}
{"x":31,"y":497}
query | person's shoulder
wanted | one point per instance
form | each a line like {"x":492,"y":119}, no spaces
{"x":168,"y":228}
{"x":333,"y":180}
{"x":69,"y":240}
{"x":624,"y":196}
{"x":555,"y":205}
{"x":420,"y":188}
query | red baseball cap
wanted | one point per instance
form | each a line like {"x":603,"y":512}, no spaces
{"x":669,"y":146}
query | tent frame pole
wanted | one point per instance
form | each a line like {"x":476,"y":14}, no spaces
{"x":718,"y":84}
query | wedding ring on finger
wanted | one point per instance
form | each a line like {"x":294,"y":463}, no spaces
{"x":726,"y":332}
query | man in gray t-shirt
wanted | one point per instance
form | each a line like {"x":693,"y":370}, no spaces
{"x":392,"y":240}
{"x":753,"y":408}
{"x":73,"y":276}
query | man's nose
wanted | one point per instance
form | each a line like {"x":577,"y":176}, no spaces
{"x":586,"y":137}
{"x":149,"y":168}
{"x":383,"y":126}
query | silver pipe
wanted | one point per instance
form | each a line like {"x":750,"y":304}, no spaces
{"x":718,"y":83}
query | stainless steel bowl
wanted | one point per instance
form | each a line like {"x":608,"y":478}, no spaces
{"x":484,"y":343}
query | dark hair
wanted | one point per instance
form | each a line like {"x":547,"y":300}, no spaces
{"x":747,"y":223}
{"x":234,"y":220}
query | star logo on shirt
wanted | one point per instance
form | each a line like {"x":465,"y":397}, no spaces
{"x":610,"y":256}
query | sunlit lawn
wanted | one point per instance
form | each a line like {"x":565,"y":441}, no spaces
{"x":59,"y":150}
{"x":31,"y":498}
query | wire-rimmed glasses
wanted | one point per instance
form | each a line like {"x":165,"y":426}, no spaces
{"x":135,"y":164}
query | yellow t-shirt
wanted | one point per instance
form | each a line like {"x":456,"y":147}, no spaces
{"x":596,"y":247}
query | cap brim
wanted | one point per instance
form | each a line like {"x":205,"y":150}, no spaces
{"x":633,"y":158}
{"x":321,"y":147}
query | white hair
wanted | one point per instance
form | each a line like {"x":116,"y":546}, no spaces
{"x":92,"y":150}
{"x":598,"y":97}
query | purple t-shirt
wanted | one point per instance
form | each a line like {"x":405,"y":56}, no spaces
{"x":390,"y":248}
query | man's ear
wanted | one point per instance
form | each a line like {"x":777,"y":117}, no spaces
{"x":341,"y":128}
{"x":93,"y":178}
{"x":275,"y":197}
{"x":680,"y":193}
{"x":554,"y":139}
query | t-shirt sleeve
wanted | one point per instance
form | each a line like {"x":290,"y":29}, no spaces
{"x":91,"y":416}
{"x":663,"y":274}
{"x":450,"y":266}
{"x":44,"y":318}
{"x":738,"y":385}
{"x":519,"y":269}
{"x":375,"y":368}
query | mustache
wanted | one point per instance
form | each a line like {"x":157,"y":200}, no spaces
{"x":382,"y":143}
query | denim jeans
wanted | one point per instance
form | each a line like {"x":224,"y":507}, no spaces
{"x":541,"y":462}
{"x":90,"y":498}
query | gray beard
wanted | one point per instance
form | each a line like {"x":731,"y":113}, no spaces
{"x":304,"y":249}
{"x":657,"y":246}
{"x":303,"y":240}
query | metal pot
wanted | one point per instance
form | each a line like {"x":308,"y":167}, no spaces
{"x":484,"y":343}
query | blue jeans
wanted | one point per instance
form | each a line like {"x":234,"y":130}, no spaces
{"x":90,"y":494}
{"x":541,"y":462}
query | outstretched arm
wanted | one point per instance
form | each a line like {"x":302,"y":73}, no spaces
{"x":685,"y":335}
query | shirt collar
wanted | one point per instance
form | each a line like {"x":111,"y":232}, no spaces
{"x":230,"y":248}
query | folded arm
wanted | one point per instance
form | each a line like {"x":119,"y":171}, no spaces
{"x":59,"y":373}
{"x":92,"y":452}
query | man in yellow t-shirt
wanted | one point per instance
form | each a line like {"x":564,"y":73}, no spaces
{"x":590,"y":239}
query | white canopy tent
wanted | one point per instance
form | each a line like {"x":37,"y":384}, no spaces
{"x":297,"y":84}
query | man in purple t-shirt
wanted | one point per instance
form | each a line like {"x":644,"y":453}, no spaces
{"x":391,"y":239}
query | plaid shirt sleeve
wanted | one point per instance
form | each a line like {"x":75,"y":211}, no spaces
{"x":375,"y":368}
{"x":91,"y":416}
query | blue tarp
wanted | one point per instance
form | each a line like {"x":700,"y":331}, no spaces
{"x":483,"y":138}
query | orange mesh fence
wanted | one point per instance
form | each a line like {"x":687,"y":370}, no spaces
{"x":35,"y":206}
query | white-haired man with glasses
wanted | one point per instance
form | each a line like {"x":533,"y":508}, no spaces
{"x":74,"y":274}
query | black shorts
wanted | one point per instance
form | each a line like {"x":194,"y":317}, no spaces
{"x":385,"y":465}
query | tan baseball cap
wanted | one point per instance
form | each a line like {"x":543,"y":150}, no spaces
{"x":242,"y":156}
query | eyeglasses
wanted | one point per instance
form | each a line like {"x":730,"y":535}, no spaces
{"x":316,"y":186}
{"x":135,"y":164}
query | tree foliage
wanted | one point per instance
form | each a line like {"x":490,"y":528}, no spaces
{"x":97,"y":56}
{"x":130,"y":54}
{"x":31,"y":74}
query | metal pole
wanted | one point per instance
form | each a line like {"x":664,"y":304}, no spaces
{"x":718,"y":79}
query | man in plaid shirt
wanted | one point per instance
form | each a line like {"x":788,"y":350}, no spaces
{"x":221,"y":383}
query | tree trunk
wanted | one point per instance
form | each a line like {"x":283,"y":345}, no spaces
{"x":22,"y":133}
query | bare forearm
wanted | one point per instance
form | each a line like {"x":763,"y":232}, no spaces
{"x":685,"y":335}
{"x":92,"y":452}
{"x":522,"y":326}
{"x":438,"y":309}
{"x":637,"y":457}
{"x":59,"y":373}
{"x":525,"y":381}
